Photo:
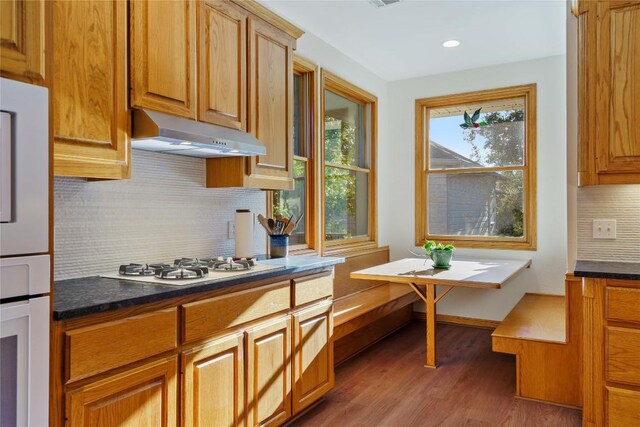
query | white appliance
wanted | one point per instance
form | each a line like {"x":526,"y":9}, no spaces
{"x":24,"y":261}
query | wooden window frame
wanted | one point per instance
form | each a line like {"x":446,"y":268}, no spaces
{"x":335,"y":84}
{"x":422,"y":107}
{"x":309,"y":121}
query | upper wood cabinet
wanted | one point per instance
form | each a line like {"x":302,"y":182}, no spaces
{"x":271,"y":103}
{"x":89,"y":89}
{"x":270,"y":115}
{"x":223,"y":64}
{"x":163,"y":56}
{"x":609,"y":111}
{"x":22,"y":40}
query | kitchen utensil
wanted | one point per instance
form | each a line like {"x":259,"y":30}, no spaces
{"x":290,"y":227}
{"x":272,"y":224}
{"x":265,"y":224}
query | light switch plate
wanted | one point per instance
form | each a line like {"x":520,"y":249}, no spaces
{"x":231,"y":230}
{"x":604,"y":228}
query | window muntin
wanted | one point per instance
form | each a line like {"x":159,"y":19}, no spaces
{"x":476,"y":183}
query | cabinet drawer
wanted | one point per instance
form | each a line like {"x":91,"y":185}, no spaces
{"x":98,"y":348}
{"x":623,"y":407}
{"x":312,"y":288}
{"x":623,"y":355}
{"x":205,"y":318}
{"x":623,"y":303}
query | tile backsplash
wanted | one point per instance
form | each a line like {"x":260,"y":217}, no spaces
{"x":162,"y":212}
{"x":619,"y":202}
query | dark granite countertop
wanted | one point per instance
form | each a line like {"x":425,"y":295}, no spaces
{"x":608,"y":270}
{"x":95,"y":294}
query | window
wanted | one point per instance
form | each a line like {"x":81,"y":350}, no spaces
{"x":476,"y":182}
{"x":300,"y":201}
{"x":348,"y":159}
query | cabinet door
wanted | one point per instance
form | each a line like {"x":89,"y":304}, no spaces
{"x":144,"y":396}
{"x":269,"y":373}
{"x":89,"y":89}
{"x":618,"y":109}
{"x":22,"y":29}
{"x":213,"y":384}
{"x":223,"y":64}
{"x":271,"y":105}
{"x":163,"y":56}
{"x":312,"y":354}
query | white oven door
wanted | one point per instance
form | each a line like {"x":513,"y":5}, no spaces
{"x":24,"y":363}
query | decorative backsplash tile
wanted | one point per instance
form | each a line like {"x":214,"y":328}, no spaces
{"x":619,"y":202}
{"x":164,"y":211}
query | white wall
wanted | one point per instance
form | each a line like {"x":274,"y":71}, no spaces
{"x":327,"y":57}
{"x":397,"y":192}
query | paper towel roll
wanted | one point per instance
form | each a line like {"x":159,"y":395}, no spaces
{"x":244,"y":222}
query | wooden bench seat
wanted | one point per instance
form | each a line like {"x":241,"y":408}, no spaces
{"x":537,"y":318}
{"x":357,"y":310}
{"x":366,"y":311}
{"x":544,"y":332}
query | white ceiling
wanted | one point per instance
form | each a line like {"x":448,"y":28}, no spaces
{"x":404,"y":39}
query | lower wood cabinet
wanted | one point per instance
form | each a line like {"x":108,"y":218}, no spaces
{"x":269,"y":373}
{"x":143,"y":396}
{"x":253,"y":357}
{"x":313,"y":373}
{"x":611,"y":353}
{"x":213,"y":383}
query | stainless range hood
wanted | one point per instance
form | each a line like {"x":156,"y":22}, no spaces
{"x":153,"y":131}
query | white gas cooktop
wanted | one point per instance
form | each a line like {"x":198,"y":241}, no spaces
{"x":211,"y":277}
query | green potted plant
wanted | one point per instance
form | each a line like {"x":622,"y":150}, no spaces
{"x":439,"y":253}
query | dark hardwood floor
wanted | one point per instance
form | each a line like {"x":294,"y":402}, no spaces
{"x":387,"y":385}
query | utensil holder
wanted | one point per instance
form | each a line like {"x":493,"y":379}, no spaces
{"x":279,"y":245}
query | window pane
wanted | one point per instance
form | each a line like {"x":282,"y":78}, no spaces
{"x":344,"y":131}
{"x":297,"y":140}
{"x":293,"y":202}
{"x":494,"y":138}
{"x":476,"y":204}
{"x":346,"y":203}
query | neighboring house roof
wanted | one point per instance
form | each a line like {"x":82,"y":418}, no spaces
{"x":441,"y":157}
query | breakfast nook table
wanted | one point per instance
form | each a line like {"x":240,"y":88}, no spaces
{"x":423,"y":279}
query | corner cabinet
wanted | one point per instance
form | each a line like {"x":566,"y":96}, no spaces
{"x":608,"y":93}
{"x":611,"y":353}
{"x":22,"y":40}
{"x":89,"y":89}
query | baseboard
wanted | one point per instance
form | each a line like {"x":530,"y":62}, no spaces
{"x":459,"y":320}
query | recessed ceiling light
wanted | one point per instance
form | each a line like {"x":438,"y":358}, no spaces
{"x":451,"y":43}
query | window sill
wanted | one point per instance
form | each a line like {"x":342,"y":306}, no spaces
{"x":351,"y":249}
{"x":504,"y":244}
